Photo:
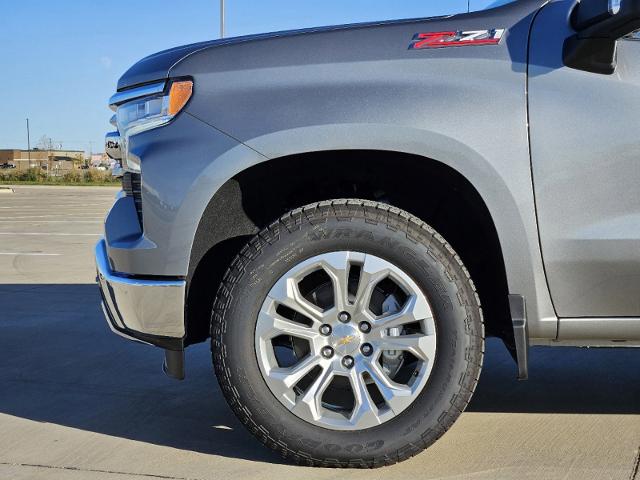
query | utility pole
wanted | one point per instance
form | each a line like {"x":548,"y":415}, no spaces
{"x":28,"y":144}
{"x":222,"y":15}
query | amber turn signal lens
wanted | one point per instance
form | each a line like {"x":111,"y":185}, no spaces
{"x":179,"y":95}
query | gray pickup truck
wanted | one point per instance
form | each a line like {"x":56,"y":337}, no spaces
{"x":347,"y":212}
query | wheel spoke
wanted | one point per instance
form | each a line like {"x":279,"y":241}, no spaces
{"x":415,"y":309}
{"x":309,"y":405}
{"x":365,"y":412}
{"x":287,"y":378}
{"x":286,"y":292}
{"x":397,"y":396}
{"x":422,"y":346}
{"x":373,"y":271}
{"x":271,"y":325}
{"x":337,"y":266}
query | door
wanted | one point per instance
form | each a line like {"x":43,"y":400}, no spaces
{"x":585,"y":153}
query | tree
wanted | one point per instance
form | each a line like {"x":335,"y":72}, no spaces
{"x":45,"y":143}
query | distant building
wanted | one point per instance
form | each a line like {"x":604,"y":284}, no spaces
{"x":58,"y":161}
{"x":99,"y":160}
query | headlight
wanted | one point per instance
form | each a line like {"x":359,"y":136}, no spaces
{"x":148,"y":112}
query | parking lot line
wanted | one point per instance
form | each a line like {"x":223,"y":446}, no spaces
{"x":32,"y":254}
{"x":48,"y":234}
{"x":51,"y":221}
{"x":47,"y":206}
{"x":78,"y":215}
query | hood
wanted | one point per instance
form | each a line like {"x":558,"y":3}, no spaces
{"x":157,"y":66}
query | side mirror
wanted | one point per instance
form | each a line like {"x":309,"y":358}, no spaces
{"x":599,"y":24}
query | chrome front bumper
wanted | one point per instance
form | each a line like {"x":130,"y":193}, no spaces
{"x":150,"y":311}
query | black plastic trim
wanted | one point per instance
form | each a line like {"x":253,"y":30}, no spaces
{"x":595,"y":55}
{"x":518,"y":309}
{"x":173,"y":365}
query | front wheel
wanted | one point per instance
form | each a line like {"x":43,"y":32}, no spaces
{"x":347,"y":334}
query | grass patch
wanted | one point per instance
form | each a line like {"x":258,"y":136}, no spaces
{"x":35,"y":176}
{"x":62,"y":184}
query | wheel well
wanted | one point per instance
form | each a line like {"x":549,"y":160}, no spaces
{"x":428,"y":189}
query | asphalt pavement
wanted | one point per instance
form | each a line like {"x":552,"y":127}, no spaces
{"x":77,"y":402}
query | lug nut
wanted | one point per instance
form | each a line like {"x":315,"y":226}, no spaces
{"x":366,"y":349}
{"x":327,"y":352}
{"x":344,"y":317}
{"x":325,"y":330}
{"x":347,"y":362}
{"x":365,"y":327}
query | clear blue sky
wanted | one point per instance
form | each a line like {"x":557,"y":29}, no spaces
{"x":61,"y":58}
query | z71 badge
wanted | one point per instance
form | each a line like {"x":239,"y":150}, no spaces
{"x":456,"y":39}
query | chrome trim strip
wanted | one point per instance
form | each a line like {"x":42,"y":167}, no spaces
{"x":137,"y":92}
{"x":152,"y":307}
{"x":112,"y":145}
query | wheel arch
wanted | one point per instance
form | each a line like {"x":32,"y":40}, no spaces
{"x":418,"y":184}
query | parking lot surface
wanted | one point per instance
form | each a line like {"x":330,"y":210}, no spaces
{"x":77,"y":402}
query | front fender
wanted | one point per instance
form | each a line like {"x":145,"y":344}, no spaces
{"x":503,"y":182}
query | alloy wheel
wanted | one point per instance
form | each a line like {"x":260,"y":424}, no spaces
{"x":346,"y":340}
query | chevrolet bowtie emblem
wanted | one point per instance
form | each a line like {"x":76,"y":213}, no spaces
{"x":346,"y":340}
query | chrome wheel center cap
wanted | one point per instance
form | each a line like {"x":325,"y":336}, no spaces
{"x":345,"y":339}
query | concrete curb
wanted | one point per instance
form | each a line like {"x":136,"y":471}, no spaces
{"x":6,"y":190}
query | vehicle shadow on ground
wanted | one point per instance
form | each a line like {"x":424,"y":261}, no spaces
{"x":62,"y":365}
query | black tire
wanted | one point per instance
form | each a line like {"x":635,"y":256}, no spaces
{"x":368,"y":227}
